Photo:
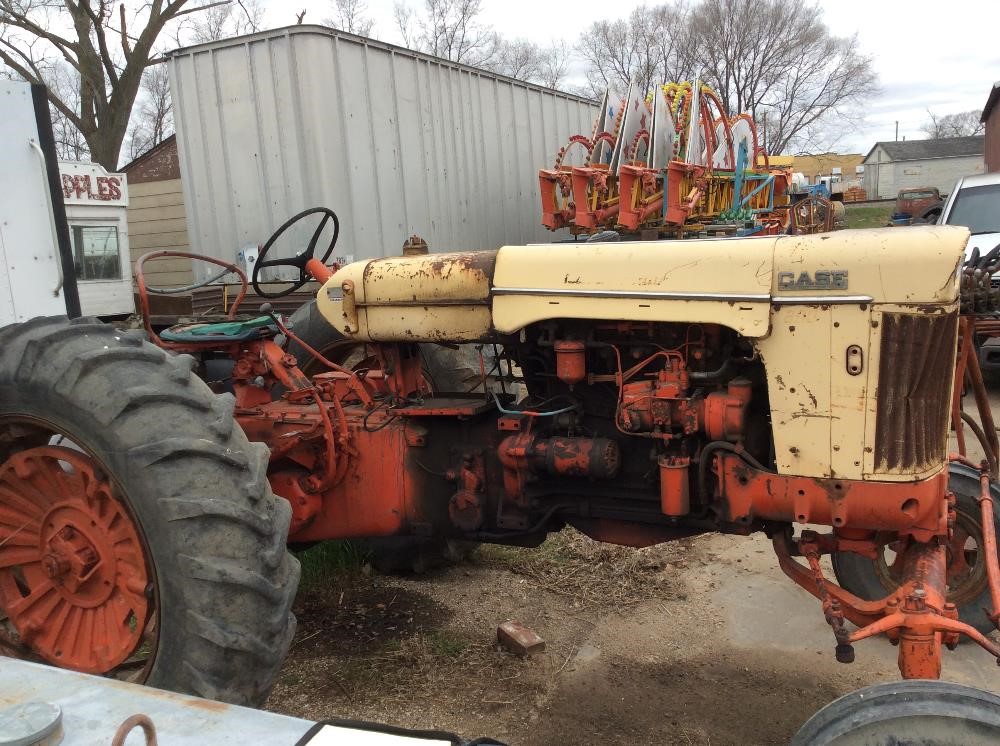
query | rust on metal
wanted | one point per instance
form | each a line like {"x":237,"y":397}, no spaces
{"x":675,"y":490}
{"x":571,"y":361}
{"x":130,"y":724}
{"x":911,"y":508}
{"x":916,"y":366}
{"x":415,"y":246}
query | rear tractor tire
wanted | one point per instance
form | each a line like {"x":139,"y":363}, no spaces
{"x":139,"y":538}
{"x":967,"y":583}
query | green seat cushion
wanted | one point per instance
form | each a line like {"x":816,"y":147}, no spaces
{"x":222,"y":331}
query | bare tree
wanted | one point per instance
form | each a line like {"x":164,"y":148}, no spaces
{"x":64,"y":80}
{"x":555,"y":65}
{"x":350,"y":16}
{"x":525,"y":60}
{"x":648,"y":47}
{"x":518,"y":58}
{"x":108,"y":51}
{"x":153,"y":116}
{"x":450,"y":29}
{"x":962,"y":124}
{"x":403,"y":16}
{"x":221,"y":21}
{"x":775,"y":59}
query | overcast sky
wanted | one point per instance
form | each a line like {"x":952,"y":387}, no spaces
{"x":942,"y":56}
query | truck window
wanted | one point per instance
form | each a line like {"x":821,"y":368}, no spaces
{"x":95,"y":251}
{"x":977,"y":208}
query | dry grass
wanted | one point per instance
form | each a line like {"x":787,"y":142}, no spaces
{"x":376,"y":647}
{"x":590,"y":573}
{"x":434,"y":666}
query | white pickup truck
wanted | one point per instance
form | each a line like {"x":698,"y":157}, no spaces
{"x":975,"y":203}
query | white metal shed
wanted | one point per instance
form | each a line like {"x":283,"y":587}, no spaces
{"x":910,"y":164}
{"x":397,"y":142}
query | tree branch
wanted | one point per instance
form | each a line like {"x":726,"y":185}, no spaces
{"x":197,"y":9}
{"x":102,"y":41}
{"x":34,"y":76}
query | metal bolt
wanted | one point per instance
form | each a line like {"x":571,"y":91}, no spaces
{"x":54,"y":566}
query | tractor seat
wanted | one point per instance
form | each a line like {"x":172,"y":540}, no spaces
{"x":238,"y":330}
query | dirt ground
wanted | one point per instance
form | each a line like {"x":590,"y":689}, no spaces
{"x":701,"y":641}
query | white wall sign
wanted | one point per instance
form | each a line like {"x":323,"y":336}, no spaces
{"x":89,"y":183}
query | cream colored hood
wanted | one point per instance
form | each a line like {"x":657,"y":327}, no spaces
{"x":733,"y":281}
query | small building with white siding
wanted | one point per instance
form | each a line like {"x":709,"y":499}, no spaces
{"x":96,"y":203}
{"x":907,"y":164}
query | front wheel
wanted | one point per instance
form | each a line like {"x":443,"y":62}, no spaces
{"x":139,"y":538}
{"x":906,"y":712}
{"x":968,"y":588}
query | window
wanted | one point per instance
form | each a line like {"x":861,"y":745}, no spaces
{"x":977,"y":208}
{"x":918,"y":195}
{"x":95,"y":252}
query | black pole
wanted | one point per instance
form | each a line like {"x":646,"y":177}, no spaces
{"x":47,"y":142}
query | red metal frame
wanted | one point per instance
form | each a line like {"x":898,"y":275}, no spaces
{"x":916,"y":616}
{"x":143,"y":293}
{"x":969,"y":374}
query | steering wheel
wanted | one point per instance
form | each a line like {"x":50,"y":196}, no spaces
{"x":300,"y":260}
{"x":144,"y":288}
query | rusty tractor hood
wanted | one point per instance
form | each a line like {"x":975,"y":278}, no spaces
{"x":468,"y":296}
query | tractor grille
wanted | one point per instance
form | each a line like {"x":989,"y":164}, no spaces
{"x":916,"y":368}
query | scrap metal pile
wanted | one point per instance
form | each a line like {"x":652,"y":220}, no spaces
{"x":674,"y":163}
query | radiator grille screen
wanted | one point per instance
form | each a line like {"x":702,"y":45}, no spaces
{"x":916,"y":367}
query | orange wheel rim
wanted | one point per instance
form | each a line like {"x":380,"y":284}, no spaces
{"x":73,"y":575}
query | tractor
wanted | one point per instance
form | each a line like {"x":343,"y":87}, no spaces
{"x":640,"y":392}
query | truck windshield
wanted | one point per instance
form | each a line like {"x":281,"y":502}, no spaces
{"x":977,"y":208}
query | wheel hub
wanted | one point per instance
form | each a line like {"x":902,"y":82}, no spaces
{"x":966,"y":573}
{"x":71,"y":558}
{"x":73,"y":577}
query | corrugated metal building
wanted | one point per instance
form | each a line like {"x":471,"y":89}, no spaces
{"x":891,"y":166}
{"x":991,"y":118}
{"x":395,"y":141}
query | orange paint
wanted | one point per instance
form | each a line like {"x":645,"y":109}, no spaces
{"x":73,"y":579}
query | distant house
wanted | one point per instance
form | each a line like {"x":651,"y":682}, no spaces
{"x":891,"y":166}
{"x":156,"y":215}
{"x":991,"y":118}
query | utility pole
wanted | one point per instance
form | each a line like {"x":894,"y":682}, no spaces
{"x":897,"y":130}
